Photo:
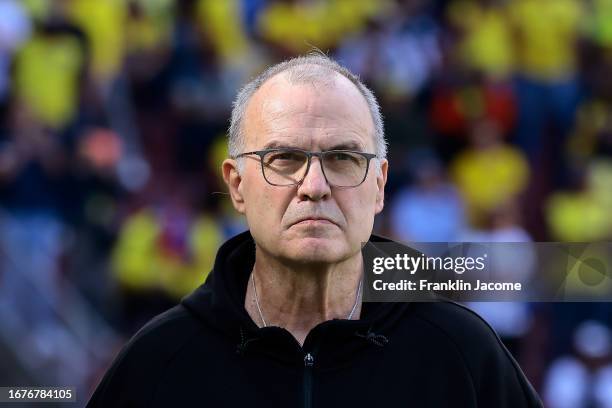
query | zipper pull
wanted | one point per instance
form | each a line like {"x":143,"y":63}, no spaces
{"x":308,"y":360}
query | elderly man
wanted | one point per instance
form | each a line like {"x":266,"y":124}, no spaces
{"x":280,"y":321}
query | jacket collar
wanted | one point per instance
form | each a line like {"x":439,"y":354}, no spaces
{"x":219,"y":303}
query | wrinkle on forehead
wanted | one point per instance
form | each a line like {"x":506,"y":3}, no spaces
{"x":282,"y":109}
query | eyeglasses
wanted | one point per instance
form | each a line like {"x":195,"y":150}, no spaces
{"x":289,"y":167}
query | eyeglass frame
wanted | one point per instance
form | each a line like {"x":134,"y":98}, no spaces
{"x":309,"y":155}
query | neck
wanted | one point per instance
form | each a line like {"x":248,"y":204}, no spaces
{"x":298,"y":297}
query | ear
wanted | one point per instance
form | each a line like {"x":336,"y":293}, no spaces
{"x":233,"y":179}
{"x":381,"y":180}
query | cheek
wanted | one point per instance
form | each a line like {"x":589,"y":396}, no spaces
{"x":359,"y":211}
{"x":264,"y":206}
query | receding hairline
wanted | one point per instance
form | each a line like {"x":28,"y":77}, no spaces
{"x":313,"y":68}
{"x":307,"y":74}
{"x":334,"y":81}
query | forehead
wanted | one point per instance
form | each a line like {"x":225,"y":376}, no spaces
{"x":318,"y":114}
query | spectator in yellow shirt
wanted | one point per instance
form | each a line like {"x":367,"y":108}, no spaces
{"x":485,"y":42}
{"x":489,"y":173}
{"x":546,"y":35}
{"x":48,"y":71}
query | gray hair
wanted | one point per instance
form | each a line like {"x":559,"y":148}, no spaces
{"x":300,"y":70}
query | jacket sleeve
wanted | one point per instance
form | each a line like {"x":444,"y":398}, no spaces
{"x":128,"y":382}
{"x":138,"y":369}
{"x":496,"y":377}
{"x":499,"y":380}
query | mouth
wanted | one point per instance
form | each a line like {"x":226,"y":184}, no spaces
{"x":314,"y":221}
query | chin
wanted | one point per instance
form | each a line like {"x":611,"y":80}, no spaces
{"x":316,"y":250}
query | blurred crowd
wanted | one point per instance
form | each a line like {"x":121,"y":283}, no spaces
{"x":113,"y":121}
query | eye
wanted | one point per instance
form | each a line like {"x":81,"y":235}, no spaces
{"x":343,"y":156}
{"x":289,"y":156}
{"x":284,"y":158}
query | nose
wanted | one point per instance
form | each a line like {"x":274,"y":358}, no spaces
{"x":314,"y":187}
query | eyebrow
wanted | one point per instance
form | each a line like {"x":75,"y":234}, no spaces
{"x":349,"y":145}
{"x":275,"y":144}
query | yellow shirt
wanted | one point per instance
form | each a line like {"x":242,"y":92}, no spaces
{"x":298,"y":27}
{"x":487,"y":178}
{"x":584,"y":216}
{"x":487,"y":44}
{"x":134,"y":254}
{"x":221,"y":20}
{"x":546,"y":33}
{"x":103,"y":23}
{"x":578,"y":217}
{"x":47,"y":77}
{"x":140,"y":263}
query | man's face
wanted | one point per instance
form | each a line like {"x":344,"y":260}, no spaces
{"x":311,"y":222}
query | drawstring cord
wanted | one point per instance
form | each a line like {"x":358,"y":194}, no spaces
{"x":377,"y":339}
{"x":244,"y":342}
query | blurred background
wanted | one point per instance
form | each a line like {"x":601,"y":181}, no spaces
{"x":113,"y":119}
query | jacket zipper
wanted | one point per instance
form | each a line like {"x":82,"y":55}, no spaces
{"x":308,"y":363}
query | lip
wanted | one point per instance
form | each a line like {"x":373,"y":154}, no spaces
{"x":314,"y":220}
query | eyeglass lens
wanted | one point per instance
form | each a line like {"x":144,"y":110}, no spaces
{"x":288,"y":167}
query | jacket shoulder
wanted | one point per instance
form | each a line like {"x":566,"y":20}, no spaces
{"x":459,"y":323}
{"x":135,"y":371}
{"x":490,"y":364}
{"x":176,"y":322}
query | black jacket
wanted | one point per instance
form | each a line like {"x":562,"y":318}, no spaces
{"x":207,"y":352}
